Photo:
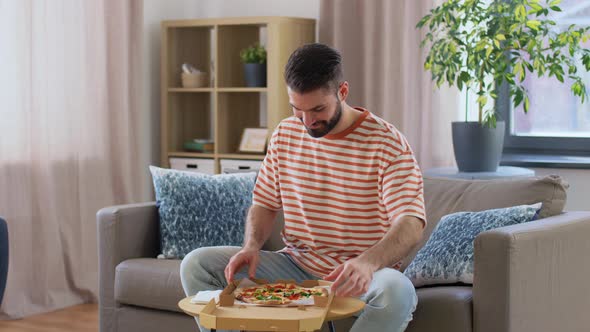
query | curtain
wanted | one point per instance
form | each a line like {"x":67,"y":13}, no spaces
{"x":383,"y":63}
{"x":69,"y":141}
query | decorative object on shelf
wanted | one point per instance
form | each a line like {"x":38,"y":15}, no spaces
{"x":482,"y":45}
{"x":192,"y":77}
{"x":199,"y":145}
{"x":253,"y":140}
{"x":254,"y":59}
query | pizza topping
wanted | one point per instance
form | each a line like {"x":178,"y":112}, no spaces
{"x":276,"y":294}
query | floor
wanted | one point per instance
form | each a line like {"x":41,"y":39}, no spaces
{"x":80,"y":318}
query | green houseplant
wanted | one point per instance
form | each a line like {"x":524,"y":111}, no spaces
{"x":254,"y":59}
{"x":479,"y":45}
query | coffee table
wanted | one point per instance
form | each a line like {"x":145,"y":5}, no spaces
{"x":340,"y":308}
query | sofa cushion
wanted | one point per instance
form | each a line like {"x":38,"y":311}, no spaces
{"x":199,"y":210}
{"x":448,"y":308}
{"x":445,"y":196}
{"x":448,"y":255}
{"x":149,"y":282}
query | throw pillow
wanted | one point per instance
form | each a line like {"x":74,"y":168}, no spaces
{"x":447,"y":256}
{"x":199,"y":210}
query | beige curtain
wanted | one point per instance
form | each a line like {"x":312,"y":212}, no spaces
{"x":383,"y":63}
{"x":69,"y":141}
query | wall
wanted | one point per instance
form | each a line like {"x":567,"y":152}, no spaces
{"x":155,"y":11}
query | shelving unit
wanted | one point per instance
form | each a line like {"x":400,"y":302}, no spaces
{"x":223,"y":109}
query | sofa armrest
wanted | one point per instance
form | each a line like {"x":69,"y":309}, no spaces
{"x":533,"y":276}
{"x":124,"y":232}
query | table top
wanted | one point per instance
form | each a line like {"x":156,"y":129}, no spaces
{"x":341,"y":307}
{"x":502,"y":172}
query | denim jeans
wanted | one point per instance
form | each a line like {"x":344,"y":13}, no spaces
{"x":390,"y":300}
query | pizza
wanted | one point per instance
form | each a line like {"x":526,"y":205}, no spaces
{"x":277,"y":293}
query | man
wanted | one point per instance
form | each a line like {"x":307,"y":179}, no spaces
{"x":352,"y":197}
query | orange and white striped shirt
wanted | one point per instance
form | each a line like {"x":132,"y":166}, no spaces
{"x":341,"y":192}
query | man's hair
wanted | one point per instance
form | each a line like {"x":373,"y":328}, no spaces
{"x":314,"y":66}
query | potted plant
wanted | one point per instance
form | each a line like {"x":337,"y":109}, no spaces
{"x":480,"y":44}
{"x":254,"y":59}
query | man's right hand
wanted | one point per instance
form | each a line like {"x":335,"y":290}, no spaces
{"x":245,"y":256}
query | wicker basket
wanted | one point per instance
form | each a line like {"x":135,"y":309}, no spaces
{"x":194,"y":80}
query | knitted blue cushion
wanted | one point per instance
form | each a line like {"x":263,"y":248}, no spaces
{"x":199,"y":210}
{"x":447,"y":257}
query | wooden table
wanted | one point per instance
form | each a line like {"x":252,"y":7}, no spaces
{"x":341,"y":307}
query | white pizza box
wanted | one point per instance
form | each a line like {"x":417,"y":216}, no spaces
{"x":230,"y":315}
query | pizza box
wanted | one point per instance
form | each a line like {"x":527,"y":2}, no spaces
{"x":228,"y":315}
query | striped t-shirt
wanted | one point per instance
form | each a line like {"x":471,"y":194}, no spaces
{"x":339,"y":193}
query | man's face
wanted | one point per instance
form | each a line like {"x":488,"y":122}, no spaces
{"x":319,"y":110}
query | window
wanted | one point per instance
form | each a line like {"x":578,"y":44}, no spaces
{"x":557,"y":122}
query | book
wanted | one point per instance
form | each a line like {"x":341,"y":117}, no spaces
{"x":199,"y":145}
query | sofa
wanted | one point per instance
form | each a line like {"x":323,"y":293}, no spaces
{"x":527,"y":277}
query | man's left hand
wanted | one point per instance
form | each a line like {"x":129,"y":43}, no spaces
{"x":352,"y":278}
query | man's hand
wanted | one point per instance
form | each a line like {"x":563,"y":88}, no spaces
{"x":246,"y":256}
{"x":352,"y":278}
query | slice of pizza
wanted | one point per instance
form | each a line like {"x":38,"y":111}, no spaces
{"x":262,"y":295}
{"x":308,"y":292}
{"x":275,"y":288}
{"x":295,"y":292}
{"x":277,"y":293}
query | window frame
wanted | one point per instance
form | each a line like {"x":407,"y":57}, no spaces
{"x":558,"y":146}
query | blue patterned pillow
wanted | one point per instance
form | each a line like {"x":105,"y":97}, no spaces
{"x":198,"y":210}
{"x":447,"y":257}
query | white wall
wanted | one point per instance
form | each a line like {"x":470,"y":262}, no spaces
{"x":155,"y":11}
{"x":231,"y":8}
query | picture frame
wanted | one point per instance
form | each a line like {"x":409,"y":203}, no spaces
{"x":254,"y":140}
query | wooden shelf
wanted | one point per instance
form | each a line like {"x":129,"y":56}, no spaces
{"x":213,"y":155}
{"x":191,"y":89}
{"x":241,"y":156}
{"x":220,"y":112}
{"x":249,"y":20}
{"x":242,"y":89}
{"x":191,"y":154}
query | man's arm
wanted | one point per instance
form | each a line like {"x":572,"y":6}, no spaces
{"x":259,"y":226}
{"x":354,"y":277}
{"x":405,"y":233}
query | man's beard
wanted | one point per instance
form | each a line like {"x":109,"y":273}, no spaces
{"x":326,"y":126}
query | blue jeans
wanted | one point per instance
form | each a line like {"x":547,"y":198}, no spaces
{"x":391,"y":298}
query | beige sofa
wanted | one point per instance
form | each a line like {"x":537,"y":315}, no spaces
{"x":528,"y":277}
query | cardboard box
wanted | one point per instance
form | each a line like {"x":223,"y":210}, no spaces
{"x":231,"y":316}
